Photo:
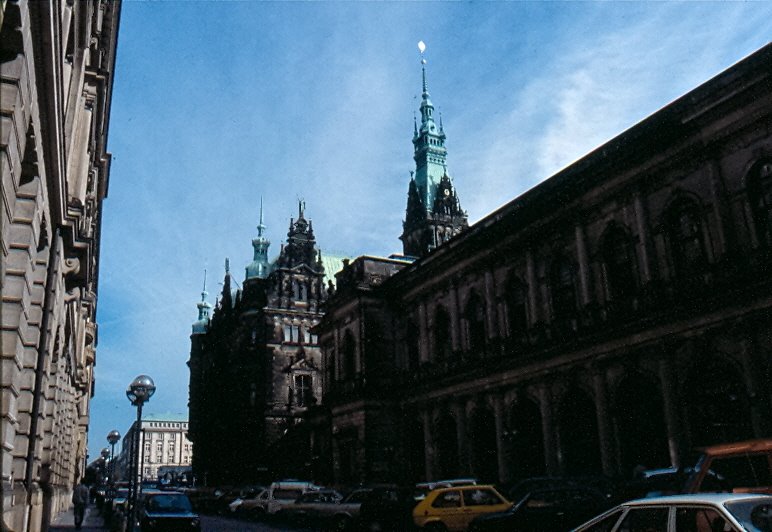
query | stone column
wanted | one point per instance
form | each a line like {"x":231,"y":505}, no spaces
{"x":643,"y":238}
{"x":584,"y":267}
{"x":548,"y":430}
{"x":490,"y":305}
{"x":423,"y":333}
{"x":501,"y":445}
{"x":455,"y":322}
{"x":719,"y":210}
{"x":530,"y":269}
{"x":670,"y":405}
{"x":464,"y":462}
{"x":427,"y":420}
{"x":604,"y":423}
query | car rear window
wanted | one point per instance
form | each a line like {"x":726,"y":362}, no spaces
{"x":287,"y":494}
{"x":755,"y":514}
{"x":481,"y":497}
{"x":169,"y":504}
{"x":749,"y":471}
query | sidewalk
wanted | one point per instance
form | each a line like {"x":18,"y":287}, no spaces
{"x":92,"y":522}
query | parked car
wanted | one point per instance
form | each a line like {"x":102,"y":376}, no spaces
{"x":558,"y":508}
{"x":454,"y":508}
{"x":277,"y":496}
{"x":248,"y":493}
{"x":327,"y":508}
{"x":309,"y":507}
{"x":387,"y":509}
{"x":743,"y":466}
{"x":705,"y":512}
{"x":167,"y":511}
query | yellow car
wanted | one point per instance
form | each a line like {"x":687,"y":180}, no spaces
{"x":454,"y":508}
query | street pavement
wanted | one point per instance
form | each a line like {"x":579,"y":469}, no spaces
{"x":92,"y":521}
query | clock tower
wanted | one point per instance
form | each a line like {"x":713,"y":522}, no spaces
{"x":433,"y":214}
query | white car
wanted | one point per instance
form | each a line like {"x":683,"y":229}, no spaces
{"x":704,"y":512}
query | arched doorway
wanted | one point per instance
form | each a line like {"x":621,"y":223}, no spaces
{"x":447,"y":446}
{"x":578,"y":434}
{"x":482,"y":439}
{"x":640,"y":427}
{"x":525,"y":439}
{"x":717,"y":403}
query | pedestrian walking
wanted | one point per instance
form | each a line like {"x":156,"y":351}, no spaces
{"x":80,"y":500}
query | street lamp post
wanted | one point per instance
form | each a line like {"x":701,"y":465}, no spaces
{"x":112,"y":438}
{"x":139,"y":392}
{"x":105,"y":457}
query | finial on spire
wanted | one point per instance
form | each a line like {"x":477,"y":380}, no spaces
{"x":227,"y":266}
{"x":301,"y":208}
{"x":441,"y":129}
{"x":203,"y":291}
{"x":415,"y":124}
{"x":422,"y":49}
{"x":260,"y":225}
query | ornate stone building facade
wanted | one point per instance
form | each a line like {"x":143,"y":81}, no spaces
{"x":618,"y":314}
{"x":254,"y":364}
{"x":56,"y":74}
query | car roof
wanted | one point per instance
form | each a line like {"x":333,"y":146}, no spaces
{"x":698,"y":498}
{"x":464,"y":488}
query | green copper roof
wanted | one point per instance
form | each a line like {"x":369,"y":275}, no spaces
{"x":259,"y":267}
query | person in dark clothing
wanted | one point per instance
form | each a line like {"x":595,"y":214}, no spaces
{"x":80,"y":500}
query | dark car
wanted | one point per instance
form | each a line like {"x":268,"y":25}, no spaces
{"x":558,"y":508}
{"x":387,"y":509}
{"x":167,"y":511}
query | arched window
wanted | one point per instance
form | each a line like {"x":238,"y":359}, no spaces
{"x":474,"y":316}
{"x":413,"y":350}
{"x":441,"y":334}
{"x":760,"y":195}
{"x":563,"y":289}
{"x":618,"y":263}
{"x":516,"y":297}
{"x":687,"y":249}
{"x":349,"y":356}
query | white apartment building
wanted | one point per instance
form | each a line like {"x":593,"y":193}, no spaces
{"x":163,"y":442}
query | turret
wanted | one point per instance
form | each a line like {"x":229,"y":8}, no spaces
{"x":200,"y":326}
{"x":258,"y":268}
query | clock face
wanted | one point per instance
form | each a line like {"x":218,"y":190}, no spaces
{"x":446,"y":192}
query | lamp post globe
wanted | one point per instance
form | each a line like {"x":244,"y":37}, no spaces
{"x":112,"y":438}
{"x":138,"y":392}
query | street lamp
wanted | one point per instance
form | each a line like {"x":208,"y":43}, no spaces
{"x":112,"y":438}
{"x":139,"y":391}
{"x":105,"y":456}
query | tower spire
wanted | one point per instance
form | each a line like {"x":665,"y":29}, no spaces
{"x":259,"y":266}
{"x":203,"y":311}
{"x":433,"y":212}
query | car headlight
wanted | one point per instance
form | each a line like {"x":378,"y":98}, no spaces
{"x":195,"y":523}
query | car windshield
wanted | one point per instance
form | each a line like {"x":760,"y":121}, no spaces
{"x":754,"y":515}
{"x":168,"y":504}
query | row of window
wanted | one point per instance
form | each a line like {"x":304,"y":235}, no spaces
{"x":298,"y":335}
{"x":686,"y":240}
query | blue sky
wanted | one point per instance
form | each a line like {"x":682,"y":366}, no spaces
{"x":216,"y":104}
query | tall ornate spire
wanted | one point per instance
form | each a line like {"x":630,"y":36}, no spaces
{"x":258,"y":268}
{"x":203,"y":311}
{"x":433,"y":211}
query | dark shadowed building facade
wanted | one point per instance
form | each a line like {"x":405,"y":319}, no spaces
{"x":618,"y":314}
{"x":255,"y":367}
